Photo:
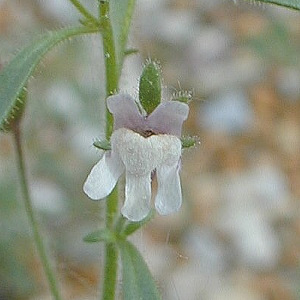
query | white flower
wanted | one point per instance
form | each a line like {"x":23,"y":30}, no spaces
{"x":140,"y":145}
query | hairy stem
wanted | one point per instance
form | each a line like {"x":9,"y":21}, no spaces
{"x":111,"y":67}
{"x":31,"y":215}
{"x":112,"y":79}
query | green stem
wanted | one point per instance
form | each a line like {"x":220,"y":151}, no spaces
{"x":110,"y":272}
{"x":84,"y":12}
{"x":112,"y":80}
{"x":111,"y":251}
{"x":111,"y":67}
{"x":31,"y":216}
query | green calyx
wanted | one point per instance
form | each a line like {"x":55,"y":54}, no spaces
{"x":183,"y":96}
{"x":150,"y":86}
{"x":102,"y":145}
{"x":189,"y":141}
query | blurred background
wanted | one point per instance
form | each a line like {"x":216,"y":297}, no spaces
{"x":237,"y":236}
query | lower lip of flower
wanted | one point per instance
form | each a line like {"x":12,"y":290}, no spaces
{"x":147,"y":133}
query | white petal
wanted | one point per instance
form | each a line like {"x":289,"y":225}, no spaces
{"x":137,"y":197}
{"x":168,"y":198}
{"x":140,"y":155}
{"x":104,"y":176}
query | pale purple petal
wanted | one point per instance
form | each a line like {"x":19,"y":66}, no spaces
{"x":137,"y":197}
{"x":168,"y":199}
{"x":125,"y":112}
{"x":103,"y":176}
{"x":168,"y":118}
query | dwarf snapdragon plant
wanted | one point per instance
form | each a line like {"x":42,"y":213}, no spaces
{"x":143,"y":140}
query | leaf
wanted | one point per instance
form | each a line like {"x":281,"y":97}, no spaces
{"x":120,"y":14}
{"x":131,"y":227}
{"x":138,"y":282}
{"x":276,"y":45}
{"x":16,"y":112}
{"x":102,"y":235}
{"x":15,"y":74}
{"x":293,"y":4}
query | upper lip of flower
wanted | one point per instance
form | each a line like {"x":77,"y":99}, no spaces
{"x":141,"y":145}
{"x":167,"y":118}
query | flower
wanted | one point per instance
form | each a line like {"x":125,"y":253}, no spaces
{"x":141,"y":145}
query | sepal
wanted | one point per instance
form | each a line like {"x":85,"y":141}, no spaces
{"x":131,"y":51}
{"x":189,"y":141}
{"x":183,"y":96}
{"x":102,"y":145}
{"x":150,"y":86}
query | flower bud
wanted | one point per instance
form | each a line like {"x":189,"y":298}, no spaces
{"x":150,"y":87}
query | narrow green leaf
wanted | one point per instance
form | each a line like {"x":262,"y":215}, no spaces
{"x":276,"y":45}
{"x":131,"y":227}
{"x":120,"y":14}
{"x":293,"y":4}
{"x":101,"y":235}
{"x":138,"y":282}
{"x":16,"y":112}
{"x":15,"y":74}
